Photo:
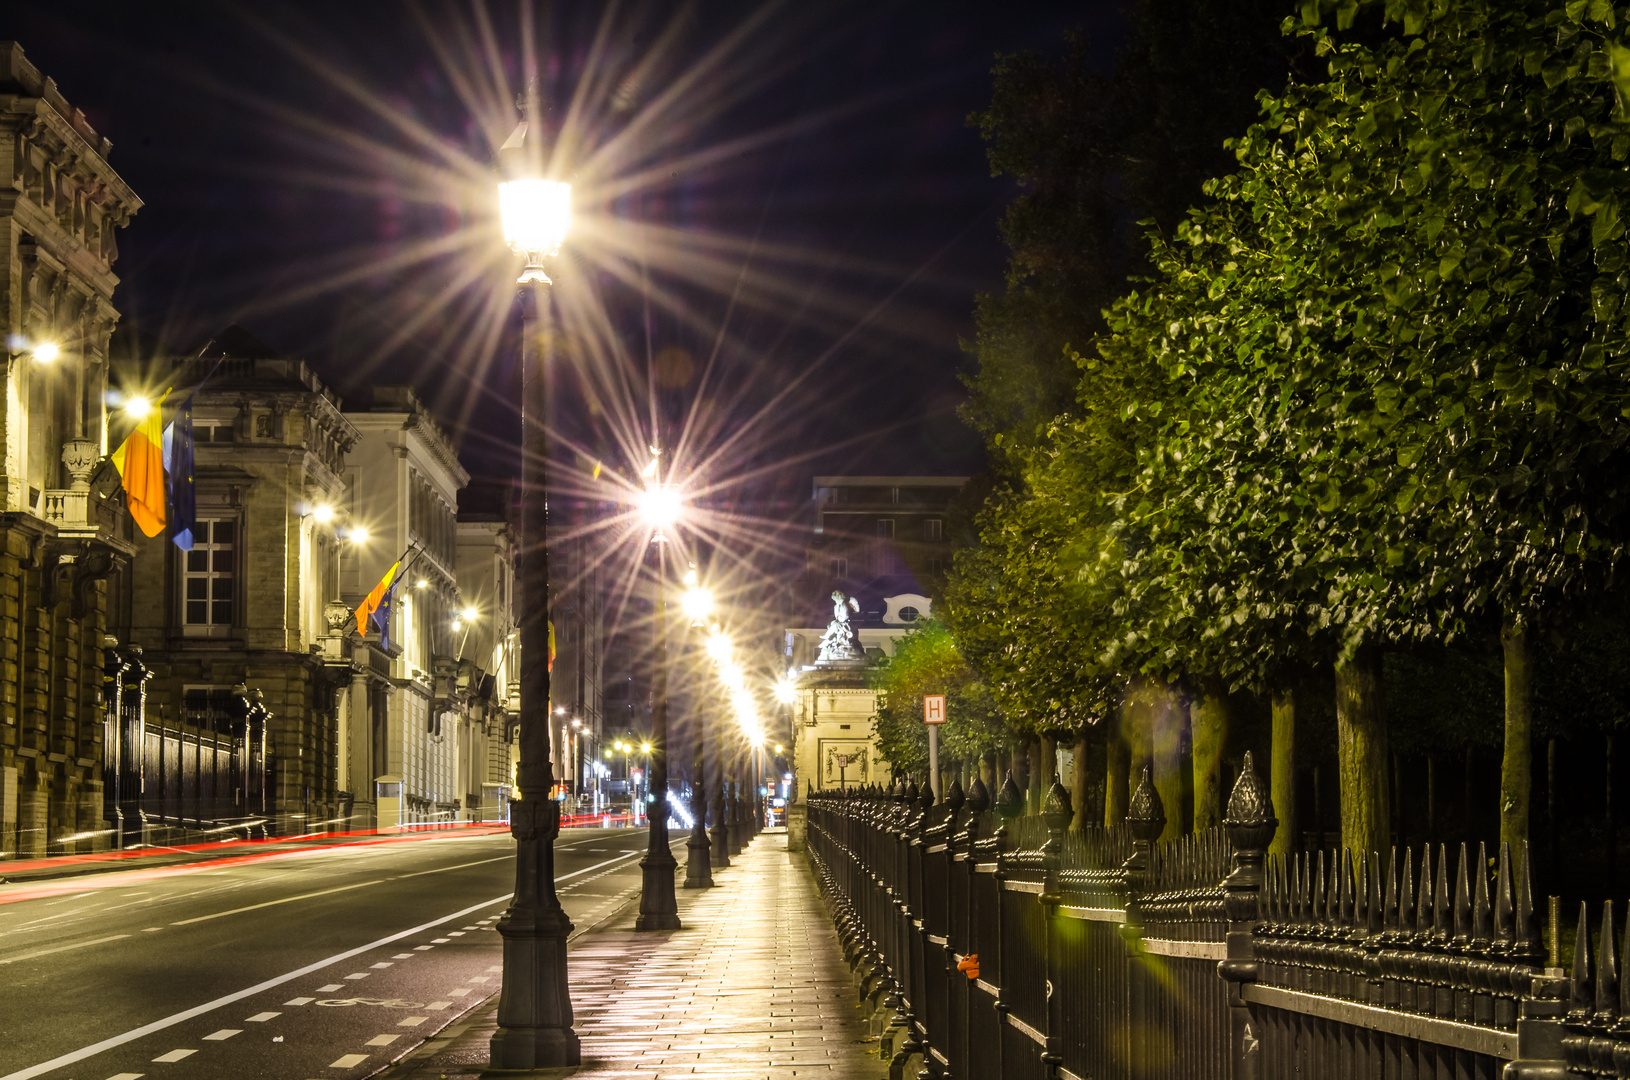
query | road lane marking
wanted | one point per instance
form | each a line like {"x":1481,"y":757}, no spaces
{"x":462,"y":991}
{"x":127,"y":1076}
{"x":444,"y":869}
{"x":330,"y":988}
{"x":496,"y":967}
{"x":423,"y":948}
{"x":274,"y":903}
{"x":223,"y":1035}
{"x":480,"y":978}
{"x":209,"y":1006}
{"x":403,"y":956}
{"x":455,"y":933}
{"x":261,"y":1017}
{"x":382,"y":964}
{"x":61,"y":948}
{"x":441,"y":940}
{"x":300,"y":1001}
{"x":349,"y":1061}
{"x":175,"y":1055}
{"x":357,"y":975}
{"x":412,"y":1021}
{"x":381,"y":1040}
{"x":152,"y":929}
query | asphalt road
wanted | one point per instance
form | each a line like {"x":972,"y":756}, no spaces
{"x":330,"y":962}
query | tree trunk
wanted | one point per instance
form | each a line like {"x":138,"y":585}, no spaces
{"x":1168,"y":716}
{"x":1117,"y":772}
{"x":1282,"y":772}
{"x":1361,"y":751}
{"x":1210,"y":717}
{"x":1517,"y":763}
{"x":1043,"y":768}
{"x":1079,"y":780}
{"x":1021,"y":768}
{"x":987,"y":771}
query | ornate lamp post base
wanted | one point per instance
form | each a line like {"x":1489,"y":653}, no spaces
{"x":698,"y":867}
{"x":720,"y":845}
{"x":658,"y":906}
{"x":535,"y":1009}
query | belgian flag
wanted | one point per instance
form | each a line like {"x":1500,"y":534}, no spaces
{"x":140,"y":461}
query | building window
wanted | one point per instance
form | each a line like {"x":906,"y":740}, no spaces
{"x":213,"y":431}
{"x":909,"y":614}
{"x":840,"y":568}
{"x":936,"y":566}
{"x":210,"y":574}
{"x":885,"y":528}
{"x":933,"y":529}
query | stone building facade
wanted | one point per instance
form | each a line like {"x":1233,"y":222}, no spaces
{"x":249,"y":606}
{"x":61,"y":208}
{"x":447,"y":708}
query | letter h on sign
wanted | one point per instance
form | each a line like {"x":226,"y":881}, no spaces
{"x":934,"y":708}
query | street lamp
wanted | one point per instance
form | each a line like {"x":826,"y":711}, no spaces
{"x":535,"y":1008}
{"x":659,"y":505}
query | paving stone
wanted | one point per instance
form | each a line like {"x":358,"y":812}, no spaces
{"x":754,"y":987}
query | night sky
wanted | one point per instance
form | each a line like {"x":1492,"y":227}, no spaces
{"x":275,"y":196}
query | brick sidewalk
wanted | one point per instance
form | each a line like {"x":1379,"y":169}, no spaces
{"x":753,"y":988}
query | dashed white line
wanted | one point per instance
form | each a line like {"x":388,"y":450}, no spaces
{"x":423,"y":948}
{"x":382,"y":964}
{"x":330,"y":988}
{"x":403,"y":956}
{"x":381,"y":1040}
{"x":462,"y":991}
{"x":357,"y":975}
{"x":261,"y":1017}
{"x":411,"y":1021}
{"x":440,"y":940}
{"x":300,"y":1001}
{"x":349,"y":1061}
{"x":175,"y":1055}
{"x":61,"y":948}
{"x":438,"y":1005}
{"x":223,"y":1035}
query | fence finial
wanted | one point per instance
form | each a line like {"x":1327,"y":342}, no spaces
{"x":1441,"y":910}
{"x":1607,"y":971}
{"x":1505,"y":921}
{"x":1404,"y":920}
{"x":1424,"y":918}
{"x":1146,"y":814}
{"x":1373,"y":904}
{"x":1321,"y":906}
{"x":1250,"y":823}
{"x":1463,"y":902}
{"x":1008,"y":800}
{"x":1582,"y":991}
{"x":1529,"y":947}
{"x":1344,"y":910}
{"x":978,"y":797}
{"x":1482,"y":911}
{"x":953,"y":795}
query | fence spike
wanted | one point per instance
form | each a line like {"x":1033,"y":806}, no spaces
{"x":1344,"y":912}
{"x":1274,"y":895}
{"x":1463,"y":900}
{"x":1404,"y":887}
{"x":1528,"y":939}
{"x":978,"y":797}
{"x":1442,"y":912}
{"x":1607,"y":969}
{"x":1425,"y":920}
{"x":926,"y":801}
{"x":953,"y":795}
{"x":1321,"y":910}
{"x":1482,"y":913}
{"x":1304,"y":888}
{"x":1374,"y":905}
{"x":1332,"y":894}
{"x":1505,"y":926}
{"x":1583,"y":991}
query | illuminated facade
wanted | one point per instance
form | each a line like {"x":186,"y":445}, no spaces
{"x":59,"y":541}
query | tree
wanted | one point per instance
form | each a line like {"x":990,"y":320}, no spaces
{"x":926,"y":661}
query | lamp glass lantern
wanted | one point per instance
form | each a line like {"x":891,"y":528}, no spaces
{"x":535,"y":211}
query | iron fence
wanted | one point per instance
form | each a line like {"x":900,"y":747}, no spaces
{"x":1009,"y":948}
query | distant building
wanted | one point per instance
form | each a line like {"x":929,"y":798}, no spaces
{"x":59,"y":541}
{"x":432,"y":756}
{"x":880,"y":541}
{"x":248,"y":610}
{"x":576,"y":684}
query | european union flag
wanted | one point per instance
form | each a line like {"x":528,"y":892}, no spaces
{"x":381,"y":616}
{"x":183,"y":493}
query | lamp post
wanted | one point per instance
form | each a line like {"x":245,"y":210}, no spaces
{"x":659,"y":909}
{"x":535,"y":1007}
{"x":698,"y":605}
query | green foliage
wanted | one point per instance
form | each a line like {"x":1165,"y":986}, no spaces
{"x":926,"y":662}
{"x":1375,"y":387}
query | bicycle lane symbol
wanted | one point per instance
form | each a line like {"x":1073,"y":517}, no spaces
{"x":384,"y":1003}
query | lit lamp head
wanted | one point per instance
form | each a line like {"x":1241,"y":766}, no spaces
{"x":697,"y":604}
{"x":660,"y":505}
{"x":45,"y":352}
{"x":536,"y":211}
{"x":137,"y":407}
{"x":785,"y":691}
{"x":322,"y":513}
{"x":471,"y":614}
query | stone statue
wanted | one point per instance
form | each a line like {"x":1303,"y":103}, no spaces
{"x":839,"y":642}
